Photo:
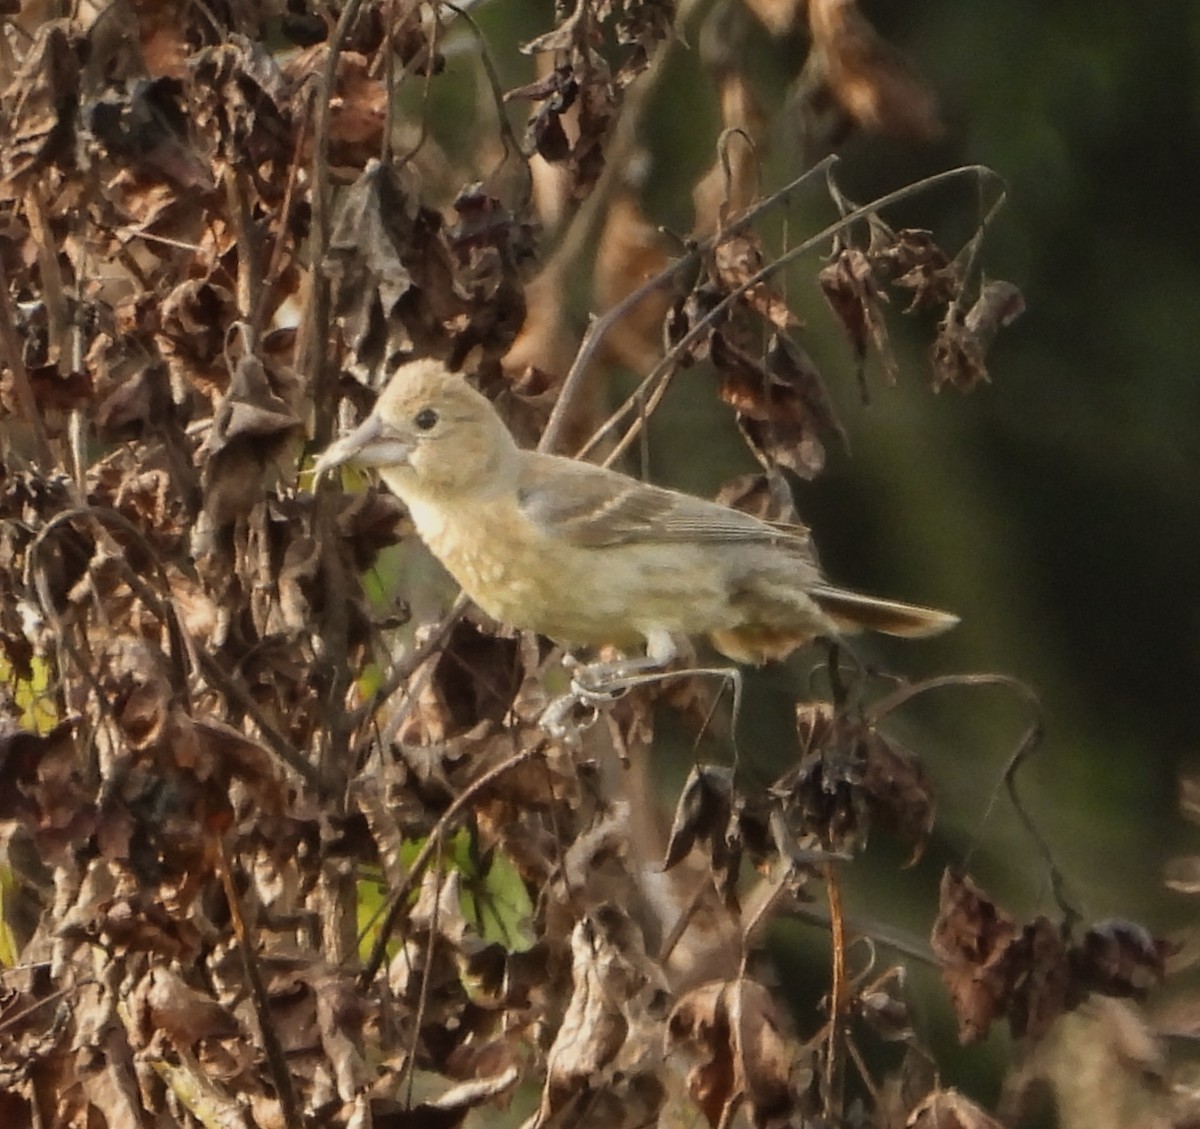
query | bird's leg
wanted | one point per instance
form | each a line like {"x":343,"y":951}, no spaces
{"x":602,"y":683}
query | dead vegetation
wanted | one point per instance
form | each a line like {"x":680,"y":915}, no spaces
{"x":267,"y":865}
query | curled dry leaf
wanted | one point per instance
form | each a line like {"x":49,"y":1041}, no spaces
{"x":710,"y":812}
{"x":184,"y":1014}
{"x":914,"y":262}
{"x":240,"y":107}
{"x":734,"y":1033}
{"x":852,"y":778}
{"x":402,"y":281}
{"x":973,"y":942}
{"x":609,"y":970}
{"x":736,"y":260}
{"x":960,"y":350}
{"x":702,"y":812}
{"x":40,"y":104}
{"x":1032,"y":974}
{"x":1121,"y":958}
{"x":887,"y":1014}
{"x":853,"y":292}
{"x":782,"y":405}
{"x":578,"y":102}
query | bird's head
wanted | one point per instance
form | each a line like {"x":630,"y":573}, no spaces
{"x":429,"y":432}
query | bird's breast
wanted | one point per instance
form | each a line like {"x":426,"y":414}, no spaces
{"x":511,"y":572}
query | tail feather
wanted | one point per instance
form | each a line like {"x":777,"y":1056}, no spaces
{"x":853,"y":611}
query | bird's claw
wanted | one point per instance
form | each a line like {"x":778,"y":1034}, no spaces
{"x":558,"y":724}
{"x":592,"y":686}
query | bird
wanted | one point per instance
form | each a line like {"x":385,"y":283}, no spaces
{"x":588,"y":556}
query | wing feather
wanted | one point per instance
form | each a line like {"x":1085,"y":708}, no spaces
{"x":592,"y":507}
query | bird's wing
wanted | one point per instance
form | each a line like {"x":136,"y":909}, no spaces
{"x":592,"y":507}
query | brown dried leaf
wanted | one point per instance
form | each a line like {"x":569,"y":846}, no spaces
{"x":734,"y":1030}
{"x":1120,"y":958}
{"x":823,"y":788}
{"x":737,"y":259}
{"x":477,"y":676}
{"x":852,"y":290}
{"x":914,"y":262}
{"x":240,"y":105}
{"x":182,"y":1013}
{"x":900,"y":791}
{"x":973,"y":941}
{"x":702,"y":812}
{"x":607,"y":970}
{"x":43,"y":783}
{"x":40,"y":101}
{"x":143,"y":127}
{"x":579,"y":101}
{"x":886,"y":1014}
{"x":640,"y":25}
{"x":192,"y":322}
{"x":402,"y":284}
{"x":960,"y":349}
{"x":781,"y":402}
{"x":1042,"y":988}
{"x":247,"y":446}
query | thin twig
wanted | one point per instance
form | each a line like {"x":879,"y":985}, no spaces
{"x":599,"y":327}
{"x":508,"y":138}
{"x":1028,"y":742}
{"x":834,"y":1096}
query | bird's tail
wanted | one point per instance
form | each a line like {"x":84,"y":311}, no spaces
{"x":852,"y":611}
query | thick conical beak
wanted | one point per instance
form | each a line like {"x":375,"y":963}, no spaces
{"x":369,"y":444}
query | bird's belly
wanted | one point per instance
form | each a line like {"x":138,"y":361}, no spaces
{"x":581,"y":595}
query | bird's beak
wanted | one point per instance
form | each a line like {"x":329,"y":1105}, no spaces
{"x":371,"y":443}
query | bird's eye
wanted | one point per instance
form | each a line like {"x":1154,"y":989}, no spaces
{"x":425,"y":419}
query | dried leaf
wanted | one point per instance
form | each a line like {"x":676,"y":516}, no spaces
{"x":1120,"y":958}
{"x":900,"y":791}
{"x":736,"y":260}
{"x":974,"y":942}
{"x":702,"y":812}
{"x":734,"y":1031}
{"x":959,"y":352}
{"x":852,"y":290}
{"x":782,"y":405}
{"x":41,"y":101}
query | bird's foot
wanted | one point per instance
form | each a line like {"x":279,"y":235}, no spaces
{"x":559,"y":723}
{"x":594,"y":686}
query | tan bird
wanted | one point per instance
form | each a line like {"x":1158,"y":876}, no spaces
{"x":589,"y":556}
